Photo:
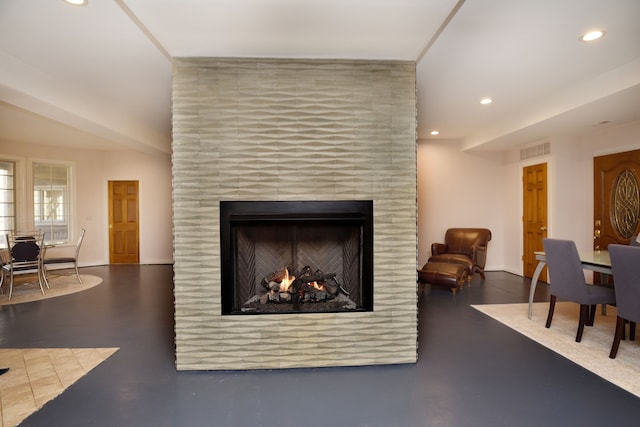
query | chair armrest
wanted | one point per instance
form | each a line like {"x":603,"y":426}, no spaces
{"x":480,"y":256}
{"x":438,"y":248}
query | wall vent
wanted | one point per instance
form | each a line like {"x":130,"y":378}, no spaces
{"x":535,"y":151}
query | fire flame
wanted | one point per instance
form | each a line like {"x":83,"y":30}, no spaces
{"x":317,"y":286}
{"x":287,"y":281}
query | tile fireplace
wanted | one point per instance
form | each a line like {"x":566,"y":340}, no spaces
{"x":312,"y":136}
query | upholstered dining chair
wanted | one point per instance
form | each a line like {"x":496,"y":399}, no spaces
{"x":69,"y":259}
{"x":625,"y":265}
{"x":567,"y":281}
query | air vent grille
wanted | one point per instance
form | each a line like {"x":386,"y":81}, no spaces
{"x":535,"y":151}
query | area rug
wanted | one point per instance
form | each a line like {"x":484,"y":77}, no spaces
{"x":592,"y":352}
{"x":26,"y":289}
{"x":38,"y":375}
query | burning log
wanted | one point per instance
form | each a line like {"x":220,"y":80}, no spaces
{"x":308,"y":291}
{"x":274,"y":296}
{"x":307,"y":275}
{"x":314,"y":295}
{"x":273,"y":286}
{"x":307,"y":286}
{"x":285,"y":296}
{"x":278,"y":276}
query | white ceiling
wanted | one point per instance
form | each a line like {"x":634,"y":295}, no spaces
{"x":100,"y":76}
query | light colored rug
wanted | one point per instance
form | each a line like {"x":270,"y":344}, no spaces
{"x":26,"y":288}
{"x":592,"y":352}
{"x":38,"y":375}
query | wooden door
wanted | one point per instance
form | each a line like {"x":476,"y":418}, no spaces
{"x":123,"y":222}
{"x":616,"y":198}
{"x":534,"y":217}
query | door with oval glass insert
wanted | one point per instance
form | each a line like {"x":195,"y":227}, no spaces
{"x":616,"y":199}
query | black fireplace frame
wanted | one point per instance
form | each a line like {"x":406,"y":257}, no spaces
{"x":343,"y":211}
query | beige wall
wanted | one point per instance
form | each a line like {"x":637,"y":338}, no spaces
{"x":458,"y":187}
{"x":93,"y":170}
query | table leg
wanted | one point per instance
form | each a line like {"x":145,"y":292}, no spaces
{"x":605,"y":278}
{"x":534,"y":283}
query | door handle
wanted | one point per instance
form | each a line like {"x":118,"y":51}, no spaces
{"x":543,"y":228}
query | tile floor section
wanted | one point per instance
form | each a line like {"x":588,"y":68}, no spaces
{"x":38,"y":375}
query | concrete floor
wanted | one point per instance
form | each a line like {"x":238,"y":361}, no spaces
{"x":472,"y":370}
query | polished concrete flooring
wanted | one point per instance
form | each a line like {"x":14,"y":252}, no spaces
{"x":472,"y":370}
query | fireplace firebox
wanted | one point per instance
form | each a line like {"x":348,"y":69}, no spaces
{"x":296,"y":256}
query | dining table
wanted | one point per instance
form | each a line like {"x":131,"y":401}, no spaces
{"x":596,"y":260}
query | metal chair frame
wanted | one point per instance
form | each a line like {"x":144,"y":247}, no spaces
{"x":25,"y":253}
{"x":66,"y":260}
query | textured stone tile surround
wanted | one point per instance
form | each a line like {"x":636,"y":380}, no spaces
{"x":281,"y":129}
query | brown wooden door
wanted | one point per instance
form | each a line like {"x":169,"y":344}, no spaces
{"x":534,"y":217}
{"x":123,"y":222}
{"x":616,"y":198}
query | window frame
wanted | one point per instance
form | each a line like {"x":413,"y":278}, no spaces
{"x":11,"y":201}
{"x":71,"y":186}
{"x":20,"y":193}
{"x":24,"y":194}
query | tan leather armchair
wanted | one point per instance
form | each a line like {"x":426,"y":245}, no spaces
{"x":466,"y":246}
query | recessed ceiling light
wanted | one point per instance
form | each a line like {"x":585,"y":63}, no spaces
{"x":435,"y":132}
{"x":486,"y":101}
{"x":592,"y":35}
{"x":77,"y":2}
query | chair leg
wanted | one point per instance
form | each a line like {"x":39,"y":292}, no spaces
{"x":584,"y":318}
{"x":40,"y":283}
{"x":77,"y":274}
{"x":11,"y":285}
{"x":617,"y":337}
{"x":592,"y":314}
{"x":44,"y":276}
{"x":632,"y":331}
{"x":552,"y":306}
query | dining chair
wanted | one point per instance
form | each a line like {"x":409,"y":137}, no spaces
{"x":567,"y":281}
{"x":625,"y":264}
{"x":25,"y":252}
{"x":71,"y":259}
{"x":4,"y":259}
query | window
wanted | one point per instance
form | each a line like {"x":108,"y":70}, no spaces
{"x":37,"y":194}
{"x":7,"y":198}
{"x":51,"y":200}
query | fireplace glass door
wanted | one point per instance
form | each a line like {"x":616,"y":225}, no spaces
{"x":296,"y":257}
